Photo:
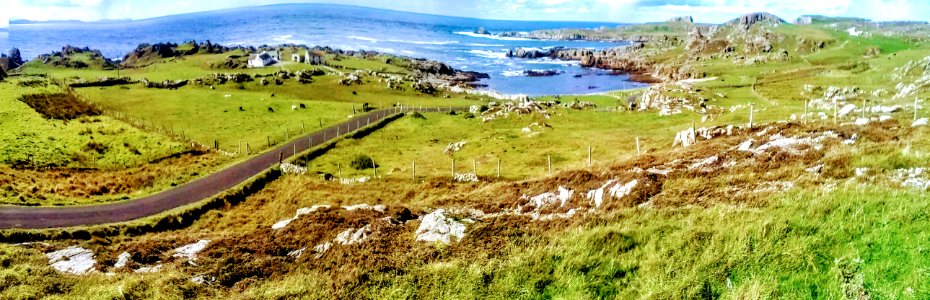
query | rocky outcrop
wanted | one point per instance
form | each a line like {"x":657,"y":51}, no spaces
{"x":685,"y":19}
{"x":541,"y":73}
{"x":481,"y":30}
{"x":146,"y":54}
{"x":65,"y":58}
{"x":436,"y":71}
{"x":15,"y":58}
{"x":431,"y":67}
{"x":748,"y":20}
{"x":531,"y":53}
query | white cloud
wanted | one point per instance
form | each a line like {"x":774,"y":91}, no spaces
{"x":623,"y":11}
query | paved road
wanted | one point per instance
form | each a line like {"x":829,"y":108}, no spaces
{"x":200,"y":189}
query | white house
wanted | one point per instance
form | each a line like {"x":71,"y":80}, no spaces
{"x":262,"y":60}
{"x":313,"y":58}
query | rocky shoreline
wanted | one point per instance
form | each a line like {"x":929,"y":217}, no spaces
{"x":627,"y":60}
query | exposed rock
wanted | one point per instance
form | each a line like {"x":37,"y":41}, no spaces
{"x":289,"y":168}
{"x":685,"y":19}
{"x":611,"y":189}
{"x":454,"y":147}
{"x":353,"y":236}
{"x":920,"y":122}
{"x":748,"y":20}
{"x":296,"y":253}
{"x":481,"y":30}
{"x":122,"y":260}
{"x":685,"y":138}
{"x":72,"y":260}
{"x":300,"y":212}
{"x":541,"y":73}
{"x":379,"y":208}
{"x":436,"y":227}
{"x":190,"y":251}
{"x":465,"y":177}
{"x":424,"y":86}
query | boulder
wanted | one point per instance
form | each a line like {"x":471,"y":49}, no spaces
{"x":15,"y":57}
{"x":481,"y":30}
{"x":436,"y":227}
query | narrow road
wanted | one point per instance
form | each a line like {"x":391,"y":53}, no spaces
{"x":191,"y":192}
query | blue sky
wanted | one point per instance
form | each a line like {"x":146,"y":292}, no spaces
{"x":621,"y":11}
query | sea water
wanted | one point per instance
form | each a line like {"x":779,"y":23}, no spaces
{"x":448,"y":39}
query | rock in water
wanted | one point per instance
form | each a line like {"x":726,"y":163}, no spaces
{"x":481,"y":30}
{"x":436,"y":227}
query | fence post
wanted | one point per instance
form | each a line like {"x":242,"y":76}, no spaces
{"x":295,"y":148}
{"x":453,"y":168}
{"x":549,"y":160}
{"x":248,"y":149}
{"x":498,"y":167}
{"x":638,"y":152}
{"x":239,"y":148}
{"x":806,"y":105}
{"x":752,"y":109}
{"x":413,"y":170}
{"x":280,"y":157}
{"x":374,"y":166}
{"x":269,"y":141}
{"x":339,"y":169}
{"x":474,"y":166}
{"x":287,"y":134}
{"x":589,"y":156}
{"x":836,"y":112}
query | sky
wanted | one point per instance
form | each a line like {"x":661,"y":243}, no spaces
{"x":619,"y":11}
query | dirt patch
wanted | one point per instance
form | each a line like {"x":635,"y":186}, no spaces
{"x":33,"y":186}
{"x":61,"y":106}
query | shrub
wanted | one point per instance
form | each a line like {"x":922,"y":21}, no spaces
{"x":362,"y":162}
{"x":100,"y":148}
{"x":417,"y":115}
{"x":60,"y":106}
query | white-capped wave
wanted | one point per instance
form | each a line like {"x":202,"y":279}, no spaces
{"x":424,"y":42}
{"x":488,"y":54}
{"x":362,"y":38}
{"x":484,"y":45}
{"x":549,"y":61}
{"x":513,"y":73}
{"x":493,"y":37}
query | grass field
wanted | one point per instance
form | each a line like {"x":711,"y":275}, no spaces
{"x":825,"y":220}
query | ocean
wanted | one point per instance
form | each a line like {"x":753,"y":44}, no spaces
{"x":447,"y":39}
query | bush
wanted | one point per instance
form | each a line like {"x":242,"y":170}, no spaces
{"x":468,"y":115}
{"x":62,"y":106}
{"x":417,"y":115}
{"x":100,"y":148}
{"x":362,"y":162}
